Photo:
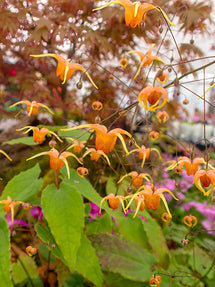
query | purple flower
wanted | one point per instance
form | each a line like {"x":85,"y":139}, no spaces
{"x":94,"y":211}
{"x":36,"y":212}
{"x":15,"y":222}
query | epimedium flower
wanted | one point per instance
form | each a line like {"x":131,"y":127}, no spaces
{"x":162,"y":116}
{"x":151,"y":196}
{"x":77,"y":147}
{"x":191,"y":165}
{"x":66,"y":68}
{"x":150,"y":96}
{"x":144,"y":153}
{"x":96,"y":154}
{"x":82,"y":171}
{"x":9,"y":205}
{"x":32,"y":107}
{"x":114,"y":201}
{"x":146,"y":59}
{"x":97,"y":106}
{"x":204,"y":180}
{"x":153,"y":135}
{"x":39,"y":134}
{"x":105,"y":140}
{"x":155,"y":281}
{"x":190,"y":220}
{"x":31,"y":250}
{"x":163,"y":78}
{"x":135,"y":11}
{"x":57,"y":160}
{"x":124,"y":62}
{"x":137,"y":179}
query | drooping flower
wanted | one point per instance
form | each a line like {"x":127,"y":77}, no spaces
{"x":32,"y":107}
{"x":191,"y":166}
{"x":144,"y":153}
{"x":39,"y":134}
{"x":66,"y":68}
{"x":77,"y":147}
{"x":163,"y":78}
{"x":82,"y":171}
{"x":146,"y":59}
{"x":155,"y":281}
{"x":9,"y":205}
{"x":105,"y":140}
{"x":96,"y":154}
{"x":154,"y":135}
{"x":190,"y":220}
{"x":135,"y":11}
{"x":124,"y":62}
{"x":114,"y":201}
{"x":97,"y":106}
{"x":162,"y":116}
{"x":205,"y":181}
{"x":150,"y":96}
{"x":137,"y":179}
{"x":57,"y":160}
{"x":151,"y":196}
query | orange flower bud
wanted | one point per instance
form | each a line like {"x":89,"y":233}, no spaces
{"x":82,"y":171}
{"x":31,"y":250}
{"x":124,"y":62}
{"x":97,"y":106}
{"x":154,"y":135}
{"x":166,"y":217}
{"x":190,"y":220}
{"x":155,"y":281}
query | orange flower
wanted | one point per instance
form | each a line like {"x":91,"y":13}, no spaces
{"x":152,"y":95}
{"x":124,"y":63}
{"x":9,"y":206}
{"x":191,"y":166}
{"x":57,"y":160}
{"x":32,"y":107}
{"x":155,"y":281}
{"x":114,"y":201}
{"x":137,"y":179}
{"x":4,"y":153}
{"x":162,"y":116}
{"x":205,"y":181}
{"x":105,"y":140}
{"x":163,"y":78}
{"x":190,"y":220}
{"x":152,"y":197}
{"x":144,"y":153}
{"x":135,"y":12}
{"x":39,"y":134}
{"x":95,"y":154}
{"x":146,"y":59}
{"x":154,"y":135}
{"x":97,"y":106}
{"x":65,"y":68}
{"x":77,"y":147}
{"x":82,"y":171}
{"x":166,"y":217}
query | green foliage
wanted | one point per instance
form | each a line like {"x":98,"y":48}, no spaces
{"x":64,"y":212}
{"x":5,"y":254}
{"x":24,"y":185}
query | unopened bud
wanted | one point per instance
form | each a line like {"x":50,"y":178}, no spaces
{"x":52,"y":143}
{"x":184,"y":242}
{"x":185,"y":102}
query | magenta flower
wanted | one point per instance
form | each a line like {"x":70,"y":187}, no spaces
{"x":11,"y":223}
{"x":36,"y":212}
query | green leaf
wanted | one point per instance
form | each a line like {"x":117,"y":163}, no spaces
{"x":23,"y":140}
{"x":44,"y":233}
{"x":132,"y":229}
{"x":112,"y":279}
{"x":156,"y":239}
{"x":88,"y":263}
{"x":64,"y":212}
{"x":100,"y":225}
{"x":19,"y":274}
{"x":124,"y":257}
{"x":24,"y":185}
{"x":5,"y":254}
{"x":80,"y":135}
{"x":63,"y":273}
